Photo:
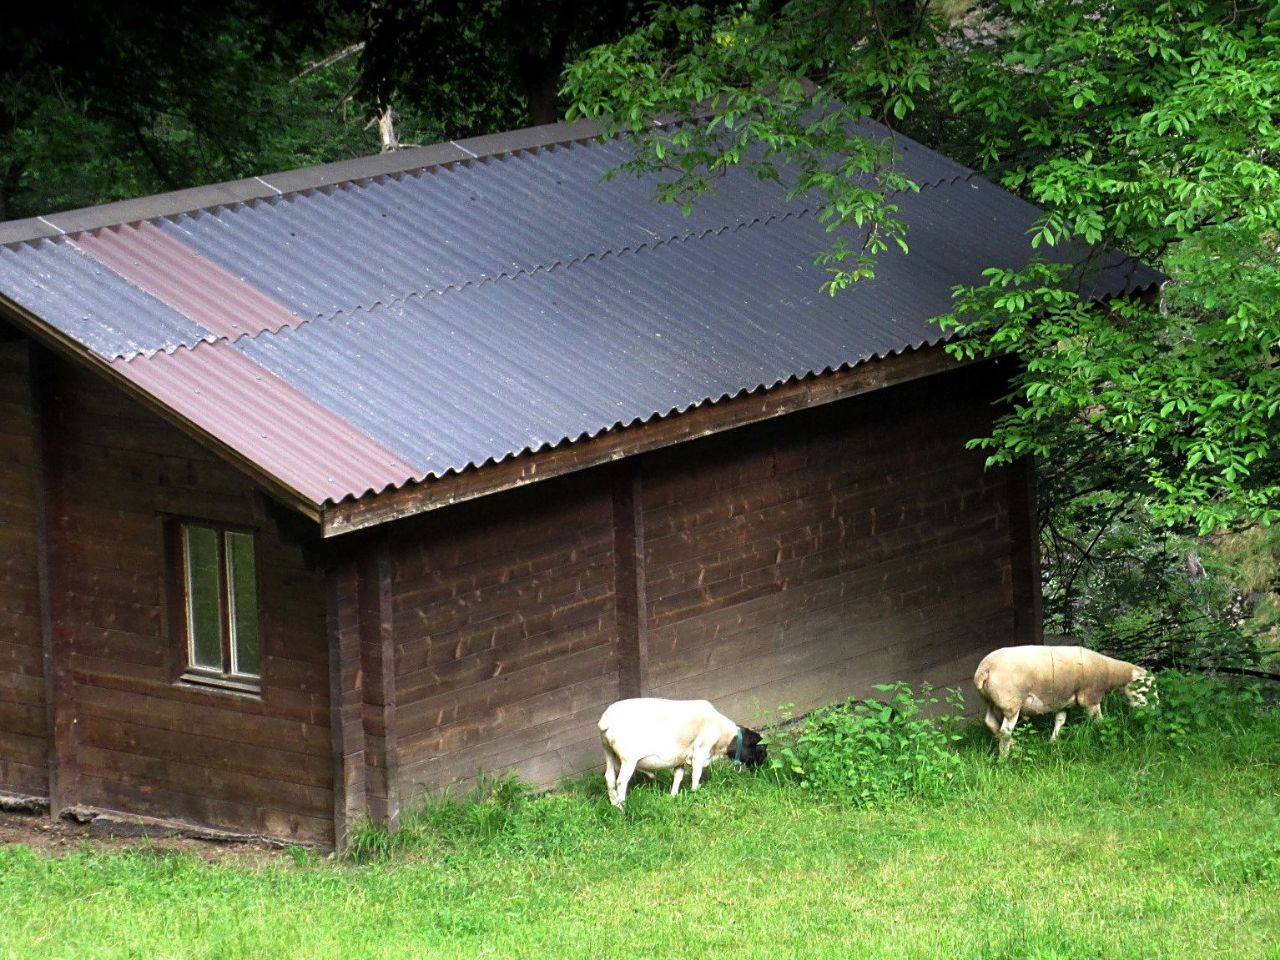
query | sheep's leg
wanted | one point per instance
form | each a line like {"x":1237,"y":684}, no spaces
{"x":675,"y":780}
{"x":611,"y":775}
{"x":993,"y":724}
{"x":1006,"y":734}
{"x":624,"y":777}
{"x":696,"y":776}
{"x":1093,"y":710}
{"x":1058,"y":720}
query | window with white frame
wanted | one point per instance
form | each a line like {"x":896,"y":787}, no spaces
{"x":218,"y":612}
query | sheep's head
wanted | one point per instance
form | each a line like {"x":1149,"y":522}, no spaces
{"x":1141,"y":689}
{"x":748,"y":750}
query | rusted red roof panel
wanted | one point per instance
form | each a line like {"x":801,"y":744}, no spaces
{"x":185,"y":280}
{"x":291,"y":437}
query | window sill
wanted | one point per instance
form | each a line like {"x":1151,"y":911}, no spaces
{"x":223,"y":684}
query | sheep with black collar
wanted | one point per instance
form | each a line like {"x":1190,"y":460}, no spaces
{"x":649,"y":734}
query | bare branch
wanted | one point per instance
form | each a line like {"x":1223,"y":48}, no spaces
{"x":329,"y":60}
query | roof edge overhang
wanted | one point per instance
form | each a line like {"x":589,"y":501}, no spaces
{"x":571,"y":456}
{"x":64,"y":346}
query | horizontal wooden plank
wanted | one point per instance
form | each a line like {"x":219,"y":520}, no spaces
{"x":26,"y":719}
{"x":29,"y":779}
{"x":215,"y":755}
{"x":745,"y":646}
{"x":30,"y":747}
{"x":519,"y":523}
{"x":17,"y":653}
{"x":123,"y":796}
{"x":203,"y":778}
{"x":579,"y":592}
{"x":850,"y":510}
{"x":215,"y":715}
{"x":501,"y":657}
{"x":122,"y":646}
{"x":21,"y":688}
{"x":764,"y":579}
{"x":530,"y":537}
{"x":804,"y":683}
{"x":567,"y":744}
{"x":551,"y":705}
{"x":493,"y":701}
{"x":857,"y":471}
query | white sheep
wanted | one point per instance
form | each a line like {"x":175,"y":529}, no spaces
{"x":1048,"y":679}
{"x":650,"y":734}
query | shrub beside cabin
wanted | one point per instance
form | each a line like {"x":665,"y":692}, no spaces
{"x":323,"y":490}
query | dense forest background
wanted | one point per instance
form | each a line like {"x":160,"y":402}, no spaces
{"x":1141,"y":127}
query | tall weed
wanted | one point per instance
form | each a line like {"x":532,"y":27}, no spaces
{"x":867,"y":752}
{"x":1195,"y":709}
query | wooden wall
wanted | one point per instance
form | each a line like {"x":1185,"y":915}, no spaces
{"x":842,"y":547}
{"x":795,"y":562}
{"x":503,"y":614}
{"x":24,"y":763}
{"x":142,"y":743}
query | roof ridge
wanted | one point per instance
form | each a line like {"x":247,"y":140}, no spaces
{"x":287,"y":184}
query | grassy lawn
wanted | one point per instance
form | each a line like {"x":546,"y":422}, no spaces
{"x":1107,"y":845}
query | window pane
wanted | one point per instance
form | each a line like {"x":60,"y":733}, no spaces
{"x":204,"y":597}
{"x":242,"y":583}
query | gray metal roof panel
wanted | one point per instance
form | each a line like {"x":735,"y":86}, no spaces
{"x":360,"y":244}
{"x":86,"y":301}
{"x":455,"y":379}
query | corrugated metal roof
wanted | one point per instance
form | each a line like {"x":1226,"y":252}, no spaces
{"x":180,"y":277}
{"x":250,"y":410}
{"x":370,"y":333}
{"x":89,"y":303}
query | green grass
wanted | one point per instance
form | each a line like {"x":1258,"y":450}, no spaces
{"x":1117,"y":842}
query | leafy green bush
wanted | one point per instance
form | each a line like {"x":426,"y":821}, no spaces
{"x":867,"y":752}
{"x":1195,"y":708}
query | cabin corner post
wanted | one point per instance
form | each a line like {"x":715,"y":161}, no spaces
{"x":1024,"y":536}
{"x":377,"y":653}
{"x":54,"y":627}
{"x":346,"y":699}
{"x":629,"y":581}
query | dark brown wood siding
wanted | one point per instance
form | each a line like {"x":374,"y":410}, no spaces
{"x":144,"y":743}
{"x":834,"y":549}
{"x":24,"y":744}
{"x":795,"y":562}
{"x":503,"y":613}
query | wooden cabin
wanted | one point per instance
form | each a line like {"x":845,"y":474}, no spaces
{"x":327,"y":489}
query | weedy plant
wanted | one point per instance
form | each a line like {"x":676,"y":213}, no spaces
{"x":1198,"y":708}
{"x":867,"y":752}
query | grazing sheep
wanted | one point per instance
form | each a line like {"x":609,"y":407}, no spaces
{"x":649,"y":734}
{"x":1048,"y":679}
